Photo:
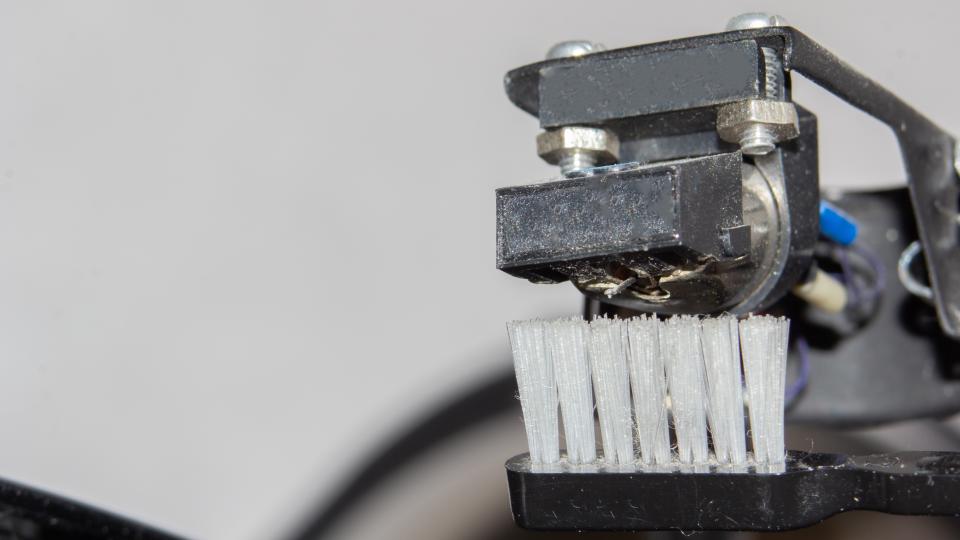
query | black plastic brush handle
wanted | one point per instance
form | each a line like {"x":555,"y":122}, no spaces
{"x":812,"y":488}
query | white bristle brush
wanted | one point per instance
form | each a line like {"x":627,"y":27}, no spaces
{"x":639,"y":372}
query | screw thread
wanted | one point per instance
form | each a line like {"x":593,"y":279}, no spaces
{"x":773,"y":74}
{"x":576,"y":160}
{"x":757,"y":140}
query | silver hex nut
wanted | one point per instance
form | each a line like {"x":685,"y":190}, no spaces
{"x":778,"y":118}
{"x":553,"y":145}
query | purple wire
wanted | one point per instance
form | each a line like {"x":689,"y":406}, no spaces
{"x":874,"y":288}
{"x":859,"y":293}
{"x":803,"y":354}
{"x":879,"y":271}
{"x":843,"y":257}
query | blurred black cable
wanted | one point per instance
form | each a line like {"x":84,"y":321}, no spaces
{"x":489,"y":399}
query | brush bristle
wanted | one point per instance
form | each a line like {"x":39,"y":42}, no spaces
{"x":721,"y":357}
{"x":611,"y":384}
{"x":643,"y":371}
{"x":764,"y":345}
{"x":648,"y":382}
{"x":683,"y":357}
{"x":567,"y":343}
{"x":537,"y":388}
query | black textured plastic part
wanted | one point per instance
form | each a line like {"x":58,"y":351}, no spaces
{"x":813,"y":488}
{"x":612,"y":88}
{"x":682,"y":204}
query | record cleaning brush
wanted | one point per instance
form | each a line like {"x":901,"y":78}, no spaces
{"x":639,"y":372}
{"x":715,"y":388}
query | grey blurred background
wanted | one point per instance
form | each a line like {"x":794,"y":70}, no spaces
{"x":243,"y":243}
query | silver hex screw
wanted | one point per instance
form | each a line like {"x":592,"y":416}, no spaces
{"x":576,"y":147}
{"x":757,"y":136}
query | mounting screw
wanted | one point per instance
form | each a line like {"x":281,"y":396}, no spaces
{"x":760,"y":139}
{"x":758,"y":124}
{"x":577,"y":147}
{"x":573,"y":48}
{"x":574,"y":148}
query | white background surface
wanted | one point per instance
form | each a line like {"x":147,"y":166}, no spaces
{"x":243,"y":242}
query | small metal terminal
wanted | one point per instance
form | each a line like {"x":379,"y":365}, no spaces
{"x":758,"y":124}
{"x":613,"y":291}
{"x":577,"y":147}
{"x":759,"y":138}
{"x":573,"y":48}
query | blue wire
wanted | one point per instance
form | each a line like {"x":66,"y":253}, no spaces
{"x":836,"y":225}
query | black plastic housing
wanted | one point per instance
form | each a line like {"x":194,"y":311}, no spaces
{"x":812,"y":488}
{"x":691,"y":208}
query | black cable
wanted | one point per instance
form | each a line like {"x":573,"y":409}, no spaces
{"x":491,"y":398}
